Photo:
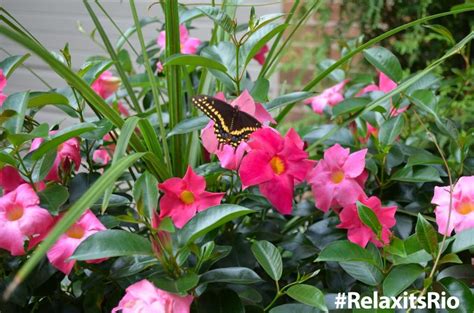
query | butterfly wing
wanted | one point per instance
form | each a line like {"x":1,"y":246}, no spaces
{"x":231,"y":126}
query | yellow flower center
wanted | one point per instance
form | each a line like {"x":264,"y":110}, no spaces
{"x":466,"y":208}
{"x":15,"y":213}
{"x":187,"y":197}
{"x":277,"y":164}
{"x":337,"y":177}
{"x":76,"y":232}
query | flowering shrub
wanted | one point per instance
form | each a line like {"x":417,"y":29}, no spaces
{"x":147,"y":207}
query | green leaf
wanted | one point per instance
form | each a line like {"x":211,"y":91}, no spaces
{"x":258,"y":39}
{"x":269,"y":258}
{"x":60,"y":137}
{"x":287,"y":99}
{"x":120,"y":149}
{"x":145,"y":194}
{"x":92,"y":70}
{"x":458,"y":289}
{"x":294,"y":308}
{"x":194,"y":60}
{"x":40,"y":99}
{"x":180,"y":285}
{"x":53,"y":197}
{"x":426,"y":235}
{"x":396,"y":247}
{"x":5,"y":158}
{"x":219,"y":17}
{"x":443,"y":31}
{"x":423,"y":175}
{"x":112,"y":243}
{"x":390,"y":130}
{"x":220,"y":301}
{"x":463,"y":241}
{"x":368,"y":217}
{"x":210,"y":219}
{"x":344,"y":251}
{"x":260,"y":90}
{"x":232,"y":275}
{"x":350,"y":105}
{"x":189,"y":125}
{"x":400,"y":278}
{"x":423,"y":157}
{"x":309,"y":295}
{"x":10,"y":64}
{"x":385,"y":61}
{"x":17,"y":102}
{"x":42,"y":166}
{"x":364,"y":272}
{"x":75,"y":212}
{"x":450,"y":258}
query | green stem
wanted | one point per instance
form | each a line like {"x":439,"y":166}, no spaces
{"x":173,"y":78}
{"x":154,"y":86}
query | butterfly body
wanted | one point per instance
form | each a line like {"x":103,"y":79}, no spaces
{"x":231,"y":125}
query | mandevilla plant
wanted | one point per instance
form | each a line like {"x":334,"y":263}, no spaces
{"x":155,"y":206}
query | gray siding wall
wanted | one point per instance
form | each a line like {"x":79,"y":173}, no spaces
{"x":55,"y":22}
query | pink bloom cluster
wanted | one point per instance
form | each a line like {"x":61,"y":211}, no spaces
{"x":3,"y":83}
{"x":260,"y":56}
{"x":338,"y":182}
{"x":144,"y":297}
{"x":462,"y":206}
{"x":329,"y":97}
{"x":189,"y":45}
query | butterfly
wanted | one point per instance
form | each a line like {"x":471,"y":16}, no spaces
{"x":231,"y":125}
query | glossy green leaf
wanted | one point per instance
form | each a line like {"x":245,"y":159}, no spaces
{"x":220,"y":17}
{"x":269,"y":258}
{"x":287,"y":99}
{"x":344,"y":251}
{"x":41,"y":167}
{"x":112,"y":243}
{"x":210,"y":219}
{"x":40,"y":99}
{"x":362,"y":271}
{"x":233,"y":275}
{"x":309,"y":295}
{"x":258,"y":39}
{"x":11,"y":63}
{"x":350,"y":105}
{"x":400,"y":278}
{"x":52,"y":197}
{"x":427,"y":235}
{"x":189,"y":125}
{"x":463,"y":241}
{"x":145,"y":194}
{"x":458,"y":289}
{"x":220,"y":301}
{"x":180,"y":285}
{"x":385,"y":61}
{"x":17,"y":102}
{"x":60,"y":137}
{"x":423,"y":175}
{"x":390,"y":130}
{"x":368,"y":218}
{"x":294,"y":308}
{"x":194,"y":60}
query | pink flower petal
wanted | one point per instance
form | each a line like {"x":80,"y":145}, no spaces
{"x":355,"y":163}
{"x":279,"y":191}
{"x":255,"y":168}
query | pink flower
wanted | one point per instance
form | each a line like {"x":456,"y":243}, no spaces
{"x":228,"y":157}
{"x":101,"y":156}
{"x":159,"y":67}
{"x":189,"y":45}
{"x":184,"y":197}
{"x":144,"y":297}
{"x":106,"y":84}
{"x":330,"y":96}
{"x":385,"y":85}
{"x":338,"y":179}
{"x":275,"y":163}
{"x":60,"y":252}
{"x":260,"y":56}
{"x":10,"y":179}
{"x":361,"y":234}
{"x":3,"y":83}
{"x":462,"y":213}
{"x":68,"y":157}
{"x":122,"y":109}
{"x":21,"y":218}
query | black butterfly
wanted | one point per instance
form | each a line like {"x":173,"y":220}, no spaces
{"x":231,"y":125}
